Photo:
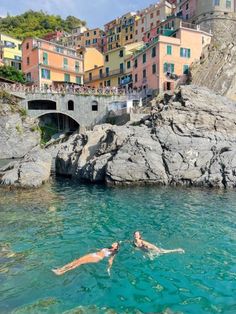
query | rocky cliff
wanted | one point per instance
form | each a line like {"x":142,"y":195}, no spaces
{"x":190,"y":139}
{"x":217,"y":67}
{"x":19,"y":133}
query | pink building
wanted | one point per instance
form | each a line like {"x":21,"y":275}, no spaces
{"x":187,"y":9}
{"x":159,"y":64}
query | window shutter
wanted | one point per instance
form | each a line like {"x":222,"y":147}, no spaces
{"x":181,"y":52}
{"x":189,"y":53}
{"x":172,"y":68}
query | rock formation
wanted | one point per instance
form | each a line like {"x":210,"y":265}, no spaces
{"x":19,"y":133}
{"x":30,"y":172}
{"x":217,"y":67}
{"x":189,"y":140}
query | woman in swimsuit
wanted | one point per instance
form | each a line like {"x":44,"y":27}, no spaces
{"x":142,"y":244}
{"x":91,"y":258}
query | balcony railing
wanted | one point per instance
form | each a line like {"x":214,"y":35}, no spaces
{"x":70,"y":89}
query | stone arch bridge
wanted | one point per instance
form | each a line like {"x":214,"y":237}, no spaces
{"x":85,"y":110}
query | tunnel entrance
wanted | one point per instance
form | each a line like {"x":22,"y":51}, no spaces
{"x":53,"y":124}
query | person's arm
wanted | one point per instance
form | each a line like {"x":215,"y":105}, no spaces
{"x":110,"y":262}
{"x":163,"y":251}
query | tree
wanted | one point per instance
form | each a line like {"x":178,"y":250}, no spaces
{"x":36,"y":24}
{"x":12,"y":74}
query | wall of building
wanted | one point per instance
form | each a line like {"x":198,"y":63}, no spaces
{"x":92,"y":58}
{"x":168,"y":53}
{"x":41,"y":56}
{"x":10,"y":51}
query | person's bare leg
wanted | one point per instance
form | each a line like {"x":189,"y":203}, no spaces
{"x":76,"y":263}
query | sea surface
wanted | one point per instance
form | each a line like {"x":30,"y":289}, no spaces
{"x":58,"y":223}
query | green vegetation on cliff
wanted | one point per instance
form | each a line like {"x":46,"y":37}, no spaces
{"x":32,"y":23}
{"x":12,"y":74}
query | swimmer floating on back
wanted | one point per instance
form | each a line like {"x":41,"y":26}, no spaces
{"x":142,"y":244}
{"x":91,"y":258}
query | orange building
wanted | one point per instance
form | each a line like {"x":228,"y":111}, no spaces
{"x":95,"y":77}
{"x":48,"y":64}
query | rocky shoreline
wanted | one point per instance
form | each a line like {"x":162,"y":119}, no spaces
{"x":188,"y":139}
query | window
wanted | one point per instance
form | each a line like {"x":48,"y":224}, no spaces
{"x":128,"y":65}
{"x":169,"y":49}
{"x":19,"y":46}
{"x":131,"y":36}
{"x":186,"y":69}
{"x":144,"y":58}
{"x":185,"y":52}
{"x":107,"y":71}
{"x":151,"y":15}
{"x":142,"y":29}
{"x":187,"y":6}
{"x":216,"y":2}
{"x":28,"y":60}
{"x":94,"y":105}
{"x":28,"y":77}
{"x":126,"y":30}
{"x":65,"y":63}
{"x":45,"y":73}
{"x":45,"y":58}
{"x":90,"y":76}
{"x":94,"y":33}
{"x":27,"y":45}
{"x":136,"y":78}
{"x":228,"y":4}
{"x":106,"y":58}
{"x":126,"y":37}
{"x":70,"y":105}
{"x":154,"y":68}
{"x":169,"y":68}
{"x":121,"y":67}
{"x":87,"y":34}
{"x":109,"y":83}
{"x":144,"y":73}
{"x":121,"y":53}
{"x":136,"y":63}
{"x":153,"y":52}
{"x":67,"y":77}
{"x":95,"y":40}
{"x":76,"y":66}
{"x":78,"y":80}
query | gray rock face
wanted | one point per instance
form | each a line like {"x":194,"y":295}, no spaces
{"x":30,"y":172}
{"x":192,"y":141}
{"x":18,"y":134}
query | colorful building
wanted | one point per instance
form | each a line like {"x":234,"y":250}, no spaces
{"x":113,"y":34}
{"x":82,"y":37}
{"x":10,"y":51}
{"x":92,"y":57}
{"x":166,"y":58}
{"x":152,"y":17}
{"x":95,"y":77}
{"x":49,"y":64}
{"x":117,"y":64}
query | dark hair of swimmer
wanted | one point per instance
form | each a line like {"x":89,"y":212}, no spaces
{"x":114,"y":247}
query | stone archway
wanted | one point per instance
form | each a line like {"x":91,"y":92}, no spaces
{"x":52,"y":123}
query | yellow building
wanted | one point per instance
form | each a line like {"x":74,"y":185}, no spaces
{"x":10,"y":51}
{"x":94,"y":77}
{"x":118,"y":64}
{"x":92,"y":57}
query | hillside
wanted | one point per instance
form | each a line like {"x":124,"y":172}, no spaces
{"x":37,"y":24}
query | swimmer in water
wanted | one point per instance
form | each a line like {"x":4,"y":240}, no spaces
{"x":91,"y":258}
{"x":142,"y":244}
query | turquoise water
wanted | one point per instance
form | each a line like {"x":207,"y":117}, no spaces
{"x":52,"y":226}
